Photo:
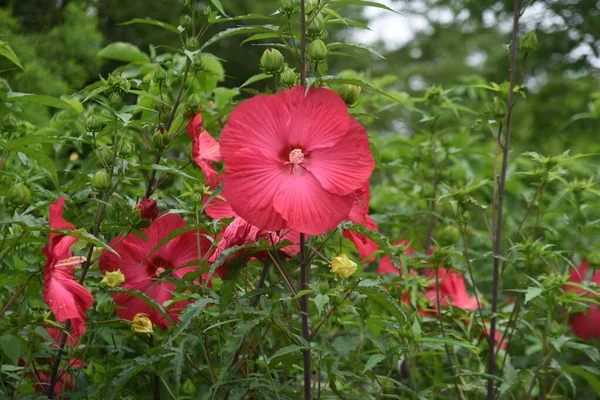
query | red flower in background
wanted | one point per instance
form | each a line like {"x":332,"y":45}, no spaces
{"x":142,"y":268}
{"x":294,"y":160}
{"x":240,"y":232}
{"x":386,"y":266}
{"x":453,"y":290}
{"x":205,"y":149}
{"x":66,"y":297}
{"x":585,"y":325}
{"x":360,"y":215}
{"x":195,"y":126}
{"x":148,"y":209}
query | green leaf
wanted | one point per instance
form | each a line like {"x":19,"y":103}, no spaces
{"x":150,"y":21}
{"x":262,"y":36}
{"x":338,"y":45}
{"x":218,"y":6}
{"x":591,"y":379}
{"x":192,"y":311}
{"x":122,"y":51}
{"x":11,"y":346}
{"x":246,"y":17}
{"x":384,"y":299}
{"x":362,"y":3}
{"x":532,"y":292}
{"x":255,"y":78}
{"x":41,"y":99}
{"x":7,"y":52}
{"x":240,"y":30}
{"x":373,"y":361}
{"x":321,"y":300}
{"x":285,"y":351}
{"x":358,"y":82}
{"x":42,"y":160}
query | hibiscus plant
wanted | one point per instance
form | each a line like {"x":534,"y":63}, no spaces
{"x":311,"y":233}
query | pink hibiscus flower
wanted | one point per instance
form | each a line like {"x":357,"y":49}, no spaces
{"x":66,"y":297}
{"x":585,"y":325}
{"x":240,"y":232}
{"x":143,"y":269}
{"x":205,"y":149}
{"x":386,"y":266}
{"x":195,"y":126}
{"x":360,"y":215}
{"x":294,"y":160}
{"x":453,"y":290}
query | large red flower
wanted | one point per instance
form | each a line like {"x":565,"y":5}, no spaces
{"x":142,"y":269}
{"x":205,"y":149}
{"x":294,"y":160}
{"x":67,"y":299}
{"x":585,"y":325}
{"x":453,"y":290}
{"x":360,"y":215}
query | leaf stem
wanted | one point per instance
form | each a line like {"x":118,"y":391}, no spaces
{"x":304,"y":315}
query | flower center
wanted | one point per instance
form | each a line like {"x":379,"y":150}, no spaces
{"x":70,"y":262}
{"x":296,"y":156}
{"x":157,"y":266}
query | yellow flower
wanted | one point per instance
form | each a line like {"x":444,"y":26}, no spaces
{"x":343,"y":266}
{"x":141,"y":323}
{"x":113,"y":279}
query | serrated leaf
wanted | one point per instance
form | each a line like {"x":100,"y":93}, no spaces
{"x":42,"y":160}
{"x":7,"y":52}
{"x":192,"y":311}
{"x":123,"y":51}
{"x":150,"y":21}
{"x":384,"y":299}
{"x":285,"y":351}
{"x":321,"y":300}
{"x":532,"y":292}
{"x":373,"y":361}
{"x":136,"y":366}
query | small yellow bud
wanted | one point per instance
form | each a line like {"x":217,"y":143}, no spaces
{"x":141,"y":323}
{"x":343,"y":266}
{"x":113,"y":279}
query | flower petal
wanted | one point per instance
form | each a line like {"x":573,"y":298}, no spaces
{"x":344,"y":167}
{"x":307,"y":207}
{"x":319,"y":117}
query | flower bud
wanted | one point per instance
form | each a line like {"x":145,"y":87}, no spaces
{"x":198,"y":63}
{"x":188,"y":387}
{"x":315,"y":27}
{"x":126,"y":148}
{"x":115,"y":101}
{"x":148,"y":209}
{"x":288,"y":78}
{"x":529,"y":42}
{"x":113,"y":279}
{"x":204,"y":12}
{"x":101,"y":181}
{"x":192,"y":44}
{"x":19,"y":195}
{"x":161,"y":140}
{"x":323,"y":287}
{"x":196,"y":199}
{"x":160,"y":75}
{"x":9,"y":123}
{"x":94,"y":125}
{"x":448,"y":236}
{"x":271,"y":62}
{"x":104,"y":154}
{"x":496,"y":110}
{"x":350,"y":94}
{"x":141,"y":323}
{"x":317,"y":51}
{"x":343,"y":266}
{"x":185,"y":21}
{"x":434,"y":95}
{"x":288,"y":7}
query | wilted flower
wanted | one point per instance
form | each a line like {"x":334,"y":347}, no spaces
{"x":141,"y":323}
{"x":343,"y":266}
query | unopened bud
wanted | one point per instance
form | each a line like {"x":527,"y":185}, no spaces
{"x":113,"y":279}
{"x":448,"y":236}
{"x":160,"y":75}
{"x":323,"y":287}
{"x":288,"y":78}
{"x":94,"y":124}
{"x":126,"y":148}
{"x":350,"y":94}
{"x":529,"y":42}
{"x":19,"y":195}
{"x":9,"y":123}
{"x":196,"y":199}
{"x":198,"y":63}
{"x":288,"y":7}
{"x":434,"y":95}
{"x":315,"y":27}
{"x":185,"y":21}
{"x":161,"y":140}
{"x":192,"y":44}
{"x":104,"y":154}
{"x":101,"y":181}
{"x":317,"y":51}
{"x":271,"y":62}
{"x":115,"y":101}
{"x":204,"y":12}
{"x":141,"y":323}
{"x":343,"y":266}
{"x":148,"y":209}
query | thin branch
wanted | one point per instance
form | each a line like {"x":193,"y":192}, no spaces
{"x":304,"y":316}
{"x":498,"y":231}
